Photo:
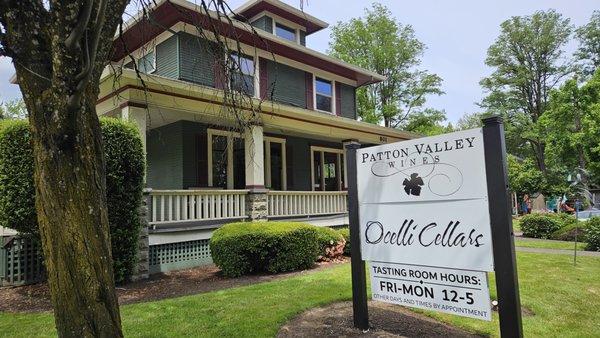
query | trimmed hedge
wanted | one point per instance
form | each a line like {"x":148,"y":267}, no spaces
{"x":253,"y":247}
{"x":539,"y":226}
{"x":592,"y":234}
{"x":124,"y":183}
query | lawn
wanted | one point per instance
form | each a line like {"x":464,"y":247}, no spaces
{"x":548,"y":244}
{"x":565,"y":299}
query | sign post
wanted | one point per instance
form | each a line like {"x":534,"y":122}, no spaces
{"x":507,"y":284}
{"x":359,"y":277}
{"x":432,"y":217}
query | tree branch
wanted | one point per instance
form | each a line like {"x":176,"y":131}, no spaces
{"x":73,"y":40}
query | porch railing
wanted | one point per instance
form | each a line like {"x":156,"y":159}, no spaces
{"x":168,"y":206}
{"x":306,"y":203}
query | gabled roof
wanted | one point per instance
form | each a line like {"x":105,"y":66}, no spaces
{"x":166,"y":13}
{"x":254,"y":7}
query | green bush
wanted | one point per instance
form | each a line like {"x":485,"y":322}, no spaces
{"x":327,"y":237}
{"x":252,"y":247}
{"x":124,"y":183}
{"x":345,"y":232}
{"x":592,"y":234}
{"x":539,"y":226}
{"x":17,"y":191}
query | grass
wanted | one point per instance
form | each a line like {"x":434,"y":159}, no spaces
{"x":548,"y":244}
{"x":565,"y":299}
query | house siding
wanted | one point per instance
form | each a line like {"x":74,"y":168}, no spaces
{"x":167,"y":61}
{"x":289,"y":84}
{"x":194,"y":155}
{"x":348,"y":101}
{"x":164,"y":148}
{"x":265,"y":23}
{"x":196,"y":60}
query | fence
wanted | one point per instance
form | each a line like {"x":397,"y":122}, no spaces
{"x":21,"y":261}
{"x":306,"y":203}
{"x":169,"y":206}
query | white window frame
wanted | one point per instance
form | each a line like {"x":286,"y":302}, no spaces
{"x":278,"y":22}
{"x":332,"y":112}
{"x":255,"y":76}
{"x":153,"y":51}
{"x":268,"y":140}
{"x":322,"y":151}
{"x":230,"y":136}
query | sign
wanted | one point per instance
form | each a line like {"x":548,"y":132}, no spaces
{"x":460,"y":292}
{"x":424,"y":201}
{"x":425,"y":213}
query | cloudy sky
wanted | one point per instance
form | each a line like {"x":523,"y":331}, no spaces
{"x":456,"y":33}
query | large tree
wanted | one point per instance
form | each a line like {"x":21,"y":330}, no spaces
{"x":589,"y":44}
{"x":379,"y":43}
{"x":527,"y":61}
{"x":572,"y":125}
{"x":59,"y":50}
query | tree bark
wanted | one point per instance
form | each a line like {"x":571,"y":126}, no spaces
{"x":73,"y":221}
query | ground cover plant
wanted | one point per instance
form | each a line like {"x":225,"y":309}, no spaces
{"x":562,"y":296}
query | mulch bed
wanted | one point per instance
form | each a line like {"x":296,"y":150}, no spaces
{"x":386,"y":320}
{"x":36,"y":298}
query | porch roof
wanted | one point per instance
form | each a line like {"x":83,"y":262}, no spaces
{"x":169,"y":100}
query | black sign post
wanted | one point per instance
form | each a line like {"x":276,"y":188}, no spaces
{"x":505,"y":263}
{"x":359,"y":276}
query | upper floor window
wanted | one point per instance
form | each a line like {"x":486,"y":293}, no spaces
{"x":147,"y":63}
{"x":324,"y":94}
{"x":242,"y":77}
{"x":285,"y":32}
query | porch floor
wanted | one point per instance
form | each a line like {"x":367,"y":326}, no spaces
{"x":324,"y":221}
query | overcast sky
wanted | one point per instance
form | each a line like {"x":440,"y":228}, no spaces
{"x":456,"y":33}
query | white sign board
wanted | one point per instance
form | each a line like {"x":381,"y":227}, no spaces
{"x":459,"y":292}
{"x":424,"y":201}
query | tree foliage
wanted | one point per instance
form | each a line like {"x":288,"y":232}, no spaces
{"x":589,"y":44}
{"x":528,"y":62}
{"x":572,"y":125}
{"x":379,"y":43}
{"x":13,"y":110}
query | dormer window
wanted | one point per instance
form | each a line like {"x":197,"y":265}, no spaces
{"x":285,"y":32}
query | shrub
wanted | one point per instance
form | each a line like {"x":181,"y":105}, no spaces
{"x":331,"y":243}
{"x":539,"y":226}
{"x":124,"y":182}
{"x":345,"y":232}
{"x":17,"y":191}
{"x":592,"y":234}
{"x":252,"y":247}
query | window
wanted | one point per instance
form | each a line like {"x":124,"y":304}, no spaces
{"x":226,"y":160}
{"x":275,"y":163}
{"x":285,"y":32}
{"x":327,"y":169}
{"x":147,"y":63}
{"x":242,"y":77}
{"x":324,"y":93}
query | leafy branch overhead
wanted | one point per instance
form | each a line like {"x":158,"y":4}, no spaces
{"x":381,"y":44}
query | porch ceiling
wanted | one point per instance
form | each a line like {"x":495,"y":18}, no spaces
{"x":169,"y":100}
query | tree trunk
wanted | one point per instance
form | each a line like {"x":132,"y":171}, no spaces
{"x":73,"y":218}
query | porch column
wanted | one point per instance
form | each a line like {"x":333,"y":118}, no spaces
{"x":344,"y":144}
{"x":256,"y":206}
{"x":137,"y":116}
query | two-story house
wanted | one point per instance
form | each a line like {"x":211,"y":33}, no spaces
{"x":290,"y":165}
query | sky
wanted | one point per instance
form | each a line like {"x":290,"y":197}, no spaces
{"x":456,"y":33}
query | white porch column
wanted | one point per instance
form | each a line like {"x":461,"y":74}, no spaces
{"x":136,"y":115}
{"x":256,"y":200}
{"x":255,"y":169}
